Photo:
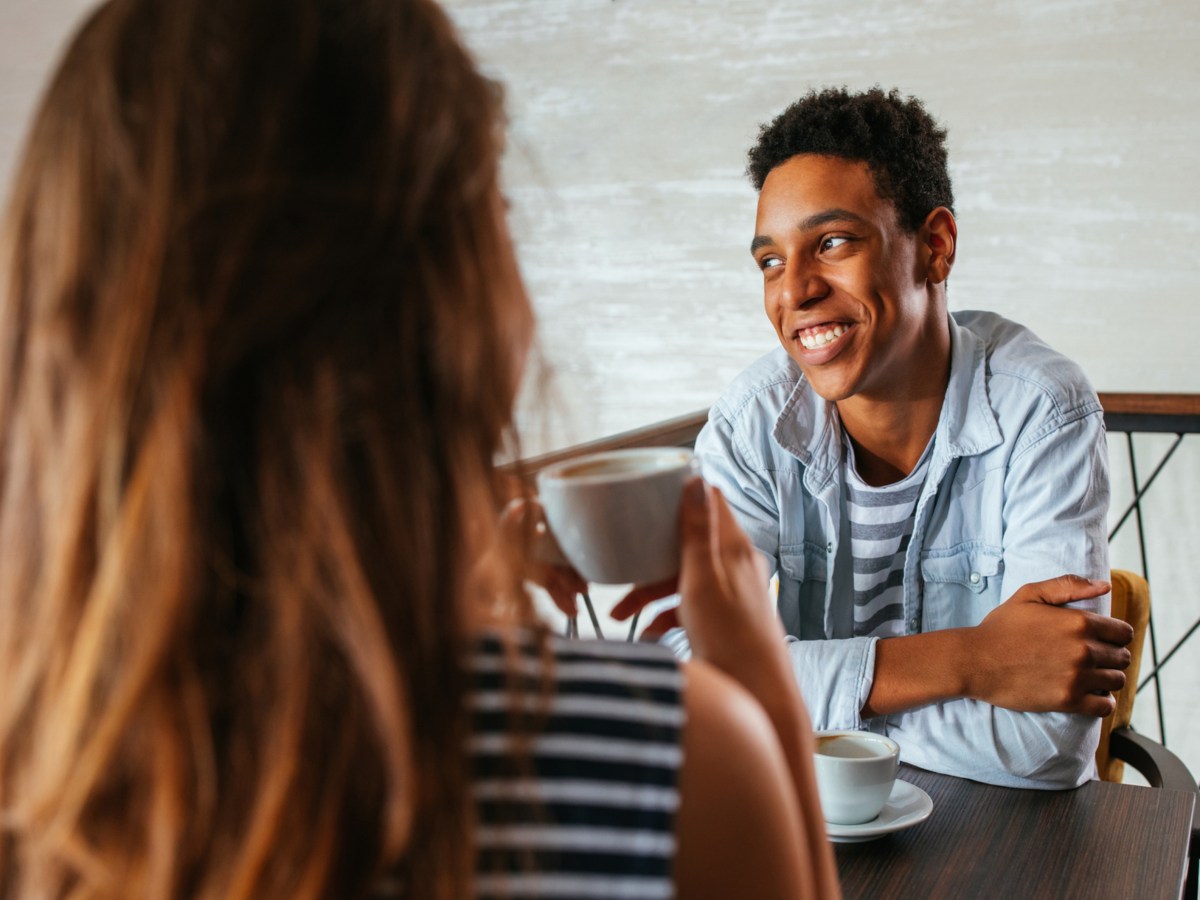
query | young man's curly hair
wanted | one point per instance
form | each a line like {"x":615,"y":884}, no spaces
{"x":903,"y":147}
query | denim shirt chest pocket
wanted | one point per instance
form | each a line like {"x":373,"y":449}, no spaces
{"x":804,"y":571}
{"x":961,"y":586}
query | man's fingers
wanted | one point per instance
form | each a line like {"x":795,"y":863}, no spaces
{"x":1065,"y":589}
{"x":1109,"y":630}
{"x":643,"y":595}
{"x":1105,"y":654}
{"x":1108,"y":680}
{"x":1096,"y":689}
{"x":663,"y":622}
{"x":1098,"y":705}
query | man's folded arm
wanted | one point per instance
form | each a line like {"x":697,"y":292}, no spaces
{"x":958,"y":736}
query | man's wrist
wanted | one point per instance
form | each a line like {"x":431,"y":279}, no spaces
{"x":920,"y":669}
{"x":962,"y":661}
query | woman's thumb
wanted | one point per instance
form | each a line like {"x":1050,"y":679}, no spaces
{"x":695,"y":529}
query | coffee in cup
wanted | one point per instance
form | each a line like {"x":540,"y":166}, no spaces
{"x":616,"y":514}
{"x":855,"y":771}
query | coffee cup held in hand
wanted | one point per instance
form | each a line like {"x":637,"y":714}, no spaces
{"x":616,"y":514}
{"x":855,"y":771}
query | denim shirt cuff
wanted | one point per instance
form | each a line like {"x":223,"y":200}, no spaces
{"x":835,"y":677}
{"x":864,"y":679}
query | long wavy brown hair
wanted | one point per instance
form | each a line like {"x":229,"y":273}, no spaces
{"x":260,"y":334}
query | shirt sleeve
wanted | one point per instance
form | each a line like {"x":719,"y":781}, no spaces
{"x":835,"y":676}
{"x":1055,"y":522}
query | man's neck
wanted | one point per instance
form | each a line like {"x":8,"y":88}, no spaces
{"x":890,"y":433}
{"x":892,"y":445}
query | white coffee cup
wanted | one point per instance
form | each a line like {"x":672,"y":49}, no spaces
{"x":616,"y":514}
{"x":855,"y":771}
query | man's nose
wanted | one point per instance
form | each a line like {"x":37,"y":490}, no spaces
{"x":801,"y":286}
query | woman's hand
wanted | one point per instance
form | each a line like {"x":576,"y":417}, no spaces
{"x":524,"y":524}
{"x":725,"y":606}
{"x":726,"y":610}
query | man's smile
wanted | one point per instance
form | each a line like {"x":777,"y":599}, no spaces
{"x":815,"y":337}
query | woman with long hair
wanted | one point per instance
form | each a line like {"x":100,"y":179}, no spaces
{"x":260,"y":632}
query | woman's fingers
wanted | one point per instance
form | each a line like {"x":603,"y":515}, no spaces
{"x":697,"y":564}
{"x":546,"y":567}
{"x":563,"y":585}
{"x":732,"y":543}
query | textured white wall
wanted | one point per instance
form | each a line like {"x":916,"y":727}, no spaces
{"x":1073,"y":127}
{"x":1072,"y":134}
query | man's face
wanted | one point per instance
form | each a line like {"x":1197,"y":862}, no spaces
{"x":844,"y":285}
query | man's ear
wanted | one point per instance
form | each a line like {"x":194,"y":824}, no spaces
{"x":941,"y":239}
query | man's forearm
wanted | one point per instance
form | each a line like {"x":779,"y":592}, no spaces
{"x":1030,"y":654}
{"x":917,"y":670}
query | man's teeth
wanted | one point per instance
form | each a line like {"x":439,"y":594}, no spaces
{"x":811,"y":340}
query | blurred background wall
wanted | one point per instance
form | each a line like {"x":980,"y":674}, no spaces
{"x":1073,"y":129}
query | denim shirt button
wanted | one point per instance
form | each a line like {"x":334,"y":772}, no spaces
{"x":974,"y":578}
{"x":829,"y":547}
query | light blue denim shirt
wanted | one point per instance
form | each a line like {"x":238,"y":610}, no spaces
{"x":1017,"y":492}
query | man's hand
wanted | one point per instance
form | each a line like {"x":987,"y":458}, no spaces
{"x":1029,"y":654}
{"x":1032,"y":655}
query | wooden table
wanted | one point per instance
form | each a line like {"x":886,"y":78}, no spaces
{"x":1099,"y":841}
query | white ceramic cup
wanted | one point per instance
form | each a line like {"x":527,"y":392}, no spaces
{"x":856,"y":771}
{"x":616,"y":514}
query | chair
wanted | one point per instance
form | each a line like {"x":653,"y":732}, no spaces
{"x":1130,"y":602}
{"x":1119,"y":743}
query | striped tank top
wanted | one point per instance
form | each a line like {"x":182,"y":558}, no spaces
{"x":591,"y":810}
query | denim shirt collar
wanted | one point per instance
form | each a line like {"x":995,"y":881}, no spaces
{"x":967,"y":425}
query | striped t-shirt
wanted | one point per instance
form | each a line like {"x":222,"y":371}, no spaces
{"x":590,"y":812}
{"x":881,"y":524}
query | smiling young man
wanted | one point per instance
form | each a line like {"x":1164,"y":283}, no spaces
{"x":930,"y":488}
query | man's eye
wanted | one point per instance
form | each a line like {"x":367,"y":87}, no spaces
{"x":770,"y":262}
{"x":832,"y":242}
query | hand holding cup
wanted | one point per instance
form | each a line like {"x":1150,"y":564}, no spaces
{"x":615,"y":515}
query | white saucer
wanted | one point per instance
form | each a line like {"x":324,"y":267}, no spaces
{"x":906,"y":806}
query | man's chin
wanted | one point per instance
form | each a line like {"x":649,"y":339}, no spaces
{"x":831,"y":387}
